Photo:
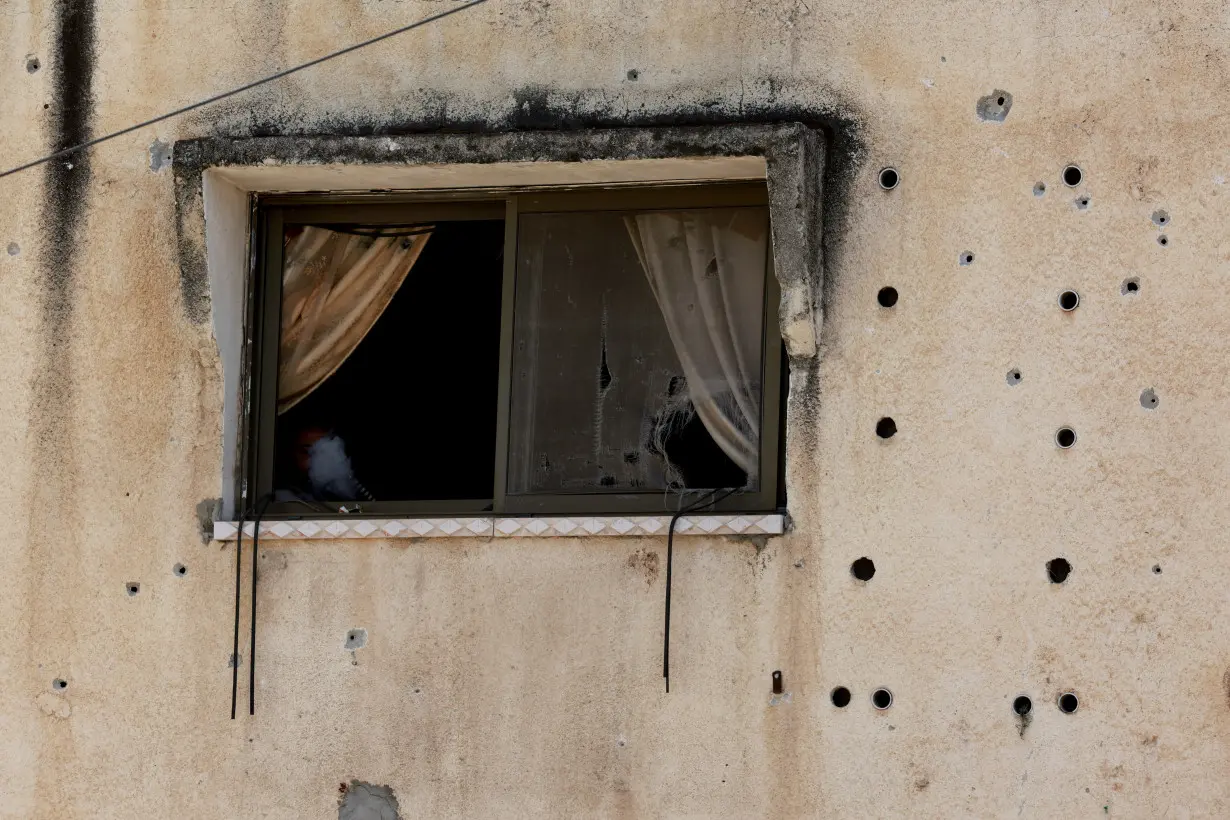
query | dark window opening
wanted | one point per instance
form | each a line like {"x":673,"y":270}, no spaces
{"x":590,"y":352}
{"x":415,"y":403}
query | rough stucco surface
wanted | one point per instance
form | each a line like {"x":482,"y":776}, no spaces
{"x":522,"y":679}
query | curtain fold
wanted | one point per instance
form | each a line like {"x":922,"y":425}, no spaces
{"x":335,"y":287}
{"x":706,"y":269}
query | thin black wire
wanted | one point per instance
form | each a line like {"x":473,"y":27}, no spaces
{"x":238,"y":589}
{"x":261,"y":506}
{"x":217,"y":97}
{"x":704,"y":501}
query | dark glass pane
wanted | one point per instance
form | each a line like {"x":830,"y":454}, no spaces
{"x":413,"y":402}
{"x":638,"y":351}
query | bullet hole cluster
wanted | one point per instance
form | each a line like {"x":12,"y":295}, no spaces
{"x":881,"y":698}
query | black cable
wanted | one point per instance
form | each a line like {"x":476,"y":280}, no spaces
{"x":238,"y":588}
{"x":704,"y":501}
{"x":217,"y":97}
{"x":261,"y":506}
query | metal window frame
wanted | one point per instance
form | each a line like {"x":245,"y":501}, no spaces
{"x":274,"y":212}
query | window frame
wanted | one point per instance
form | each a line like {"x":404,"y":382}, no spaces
{"x":272,"y":213}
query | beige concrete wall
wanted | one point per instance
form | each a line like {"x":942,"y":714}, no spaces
{"x":521,"y":677}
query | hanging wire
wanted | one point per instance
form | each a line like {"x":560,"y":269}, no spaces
{"x":261,"y":506}
{"x":704,"y":501}
{"x":248,"y":86}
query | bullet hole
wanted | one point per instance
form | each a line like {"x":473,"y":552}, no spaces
{"x":1040,"y":189}
{"x":59,"y":684}
{"x":1065,"y":437}
{"x":1160,"y":218}
{"x":889,"y":178}
{"x":1058,"y":570}
{"x":1068,"y":300}
{"x":180,"y":570}
{"x":886,"y":428}
{"x":1068,"y":703}
{"x":881,"y":699}
{"x":1014,"y":377}
{"x":1022,"y":705}
{"x":864,"y":569}
{"x":14,"y":249}
{"x":1157,"y":569}
{"x":966,"y":258}
{"x":1163,"y":240}
{"x":356,"y":639}
{"x":46,"y":106}
{"x":1148,"y":399}
{"x":887,"y":297}
{"x":1072,"y":176}
{"x":994,"y":107}
{"x":32,"y":64}
{"x":161,"y":154}
{"x":1082,"y":203}
{"x":631,"y":457}
{"x":133,"y":588}
{"x":633,"y":75}
{"x":777,"y":682}
{"x":1130,"y":286}
{"x":840,"y":697}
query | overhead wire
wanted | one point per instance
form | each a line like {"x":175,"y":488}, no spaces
{"x":246,"y":87}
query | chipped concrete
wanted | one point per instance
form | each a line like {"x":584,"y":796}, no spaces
{"x":363,"y":801}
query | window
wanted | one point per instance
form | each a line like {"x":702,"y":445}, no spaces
{"x":537,"y":352}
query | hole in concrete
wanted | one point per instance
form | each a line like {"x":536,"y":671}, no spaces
{"x":881,"y":699}
{"x":59,"y":684}
{"x":1065,"y":437}
{"x":356,"y":639}
{"x":1058,"y":570}
{"x":1014,"y":376}
{"x":994,"y":107}
{"x":777,"y":682}
{"x":1163,"y":240}
{"x":1160,"y":218}
{"x":1040,"y":189}
{"x":1157,"y":569}
{"x":1068,"y":703}
{"x":1072,"y":176}
{"x":1022,"y":705}
{"x":33,"y":64}
{"x":633,"y":74}
{"x":887,"y":297}
{"x":889,"y":178}
{"x":1069,"y":299}
{"x":966,"y":258}
{"x":133,"y":588}
{"x":14,"y":249}
{"x":1082,"y":203}
{"x":886,"y":428}
{"x":864,"y":569}
{"x":1148,"y":399}
{"x":180,"y":570}
{"x":1130,"y":286}
{"x":840,"y":697}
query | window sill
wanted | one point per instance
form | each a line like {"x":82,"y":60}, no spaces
{"x":569,"y":527}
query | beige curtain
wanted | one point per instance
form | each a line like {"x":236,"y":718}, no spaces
{"x":335,"y":286}
{"x":706,"y":269}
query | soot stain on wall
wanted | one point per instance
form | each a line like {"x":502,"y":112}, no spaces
{"x":66,"y":185}
{"x":533,"y":111}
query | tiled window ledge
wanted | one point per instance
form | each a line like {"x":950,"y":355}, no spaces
{"x":572,"y":527}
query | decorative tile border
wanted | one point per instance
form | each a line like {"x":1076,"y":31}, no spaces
{"x":572,"y":527}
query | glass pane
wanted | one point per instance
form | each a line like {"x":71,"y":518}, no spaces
{"x":388,"y":371}
{"x":638,"y":350}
